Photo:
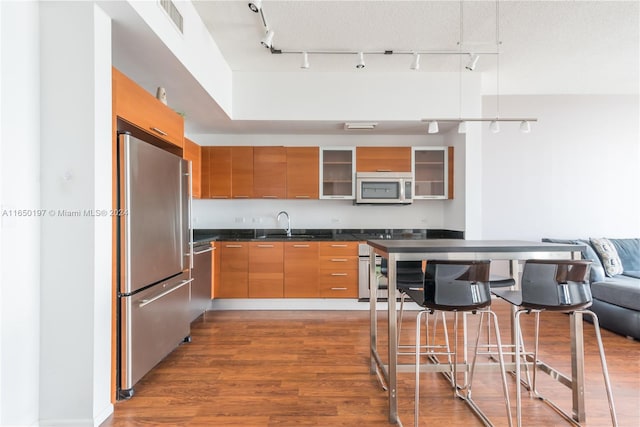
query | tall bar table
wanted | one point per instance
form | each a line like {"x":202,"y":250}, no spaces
{"x":453,"y":249}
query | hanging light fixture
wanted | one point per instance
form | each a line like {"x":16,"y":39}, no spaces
{"x":305,"y":60}
{"x":415,"y":64}
{"x":433,"y":127}
{"x":473,"y":61}
{"x":525,"y":126}
{"x":360,"y":63}
{"x":494,"y":126}
{"x":267,"y":40}
{"x":255,"y":5}
{"x":462,"y":127}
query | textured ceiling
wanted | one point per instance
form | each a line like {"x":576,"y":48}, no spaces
{"x":546,"y":46}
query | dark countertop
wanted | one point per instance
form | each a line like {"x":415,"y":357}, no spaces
{"x":455,"y":245}
{"x":203,"y":236}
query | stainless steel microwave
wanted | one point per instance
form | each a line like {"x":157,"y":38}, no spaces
{"x":384,"y":187}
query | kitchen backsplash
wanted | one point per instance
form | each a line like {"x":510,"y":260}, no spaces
{"x":320,"y":214}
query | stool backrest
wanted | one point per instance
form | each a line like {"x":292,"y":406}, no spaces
{"x":457,"y":285}
{"x":556,"y":284}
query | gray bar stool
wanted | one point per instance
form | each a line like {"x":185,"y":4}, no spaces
{"x":553,"y":285}
{"x":457,"y":287}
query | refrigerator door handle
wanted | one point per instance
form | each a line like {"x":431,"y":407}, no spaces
{"x":167,"y":292}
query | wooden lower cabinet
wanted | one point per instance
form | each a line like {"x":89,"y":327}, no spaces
{"x":266,"y":275}
{"x":234,"y":270}
{"x":301,"y":270}
{"x":338,"y":276}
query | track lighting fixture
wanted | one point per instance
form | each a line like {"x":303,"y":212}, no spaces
{"x":305,"y":60}
{"x":473,"y":61}
{"x":255,"y":5}
{"x":494,"y":126}
{"x":462,"y":127}
{"x":433,"y":127}
{"x":360,"y":63}
{"x":267,"y":40}
{"x":525,"y":126}
{"x":415,"y":64}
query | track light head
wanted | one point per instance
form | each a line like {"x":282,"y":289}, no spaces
{"x":433,"y":127}
{"x":473,"y":61}
{"x":360,"y":63}
{"x":415,"y":64}
{"x":255,"y":5}
{"x":305,"y":61}
{"x":267,"y":40}
{"x":462,"y":127}
{"x":525,"y":126}
{"x":494,"y":126}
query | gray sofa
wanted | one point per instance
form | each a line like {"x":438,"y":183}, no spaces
{"x":615,"y":283}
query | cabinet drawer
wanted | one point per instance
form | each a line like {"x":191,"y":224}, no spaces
{"x":339,"y":284}
{"x":338,"y":249}
{"x":338,"y":263}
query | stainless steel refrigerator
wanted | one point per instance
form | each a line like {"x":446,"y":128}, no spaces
{"x":153,"y":259}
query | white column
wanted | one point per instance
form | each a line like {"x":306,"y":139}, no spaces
{"x":76,"y":248}
{"x":19,"y":194}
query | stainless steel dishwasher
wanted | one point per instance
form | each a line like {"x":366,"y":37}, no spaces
{"x":201,"y":274}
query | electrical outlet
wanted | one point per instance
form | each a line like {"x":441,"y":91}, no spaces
{"x":240,"y":220}
{"x":424,"y":220}
{"x":335,"y":220}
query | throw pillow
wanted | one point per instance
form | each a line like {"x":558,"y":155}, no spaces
{"x":608,"y":255}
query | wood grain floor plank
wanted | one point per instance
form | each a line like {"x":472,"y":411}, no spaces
{"x":311,"y":368}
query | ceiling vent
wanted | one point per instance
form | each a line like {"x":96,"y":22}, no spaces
{"x":173,"y":13}
{"x":360,"y":126}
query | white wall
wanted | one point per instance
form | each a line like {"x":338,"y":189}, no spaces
{"x":327,"y":213}
{"x":344,"y":96}
{"x":75,"y":363}
{"x":577,"y":174}
{"x":19,"y":189}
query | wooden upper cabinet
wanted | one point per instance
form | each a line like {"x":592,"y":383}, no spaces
{"x":383,"y":159}
{"x":216,"y":172}
{"x":302,"y":172}
{"x":140,"y":108}
{"x":241,"y":172}
{"x":269,"y":172}
{"x":193,"y":153}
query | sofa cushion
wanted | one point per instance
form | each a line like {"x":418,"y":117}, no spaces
{"x":629,"y":253}
{"x":608,"y":255}
{"x":620,"y":290}
{"x":597,"y":270}
{"x":634,"y":274}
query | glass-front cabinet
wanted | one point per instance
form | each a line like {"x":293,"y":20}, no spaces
{"x":433,"y":172}
{"x":337,"y":166}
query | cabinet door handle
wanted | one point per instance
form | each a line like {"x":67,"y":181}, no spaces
{"x":339,"y":289}
{"x":338,"y":246}
{"x":302,"y":197}
{"x":161,"y":132}
{"x":339,"y":274}
{"x":300,"y":246}
{"x":233,"y":246}
{"x":240,"y":197}
{"x":265,"y":246}
{"x":269,"y":197}
{"x":383,"y":170}
{"x":338,"y":260}
{"x":219,"y":197}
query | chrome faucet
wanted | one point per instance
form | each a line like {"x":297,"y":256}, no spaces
{"x":288,"y":229}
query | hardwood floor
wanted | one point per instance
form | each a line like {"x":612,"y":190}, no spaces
{"x":311,"y":368}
